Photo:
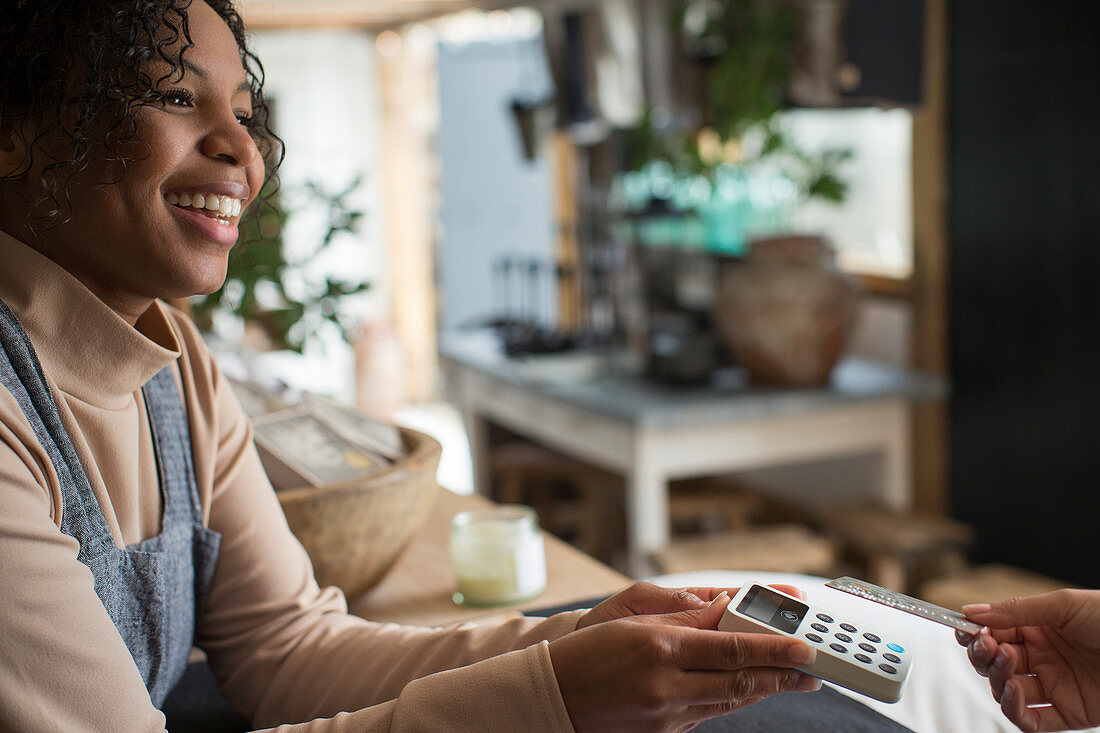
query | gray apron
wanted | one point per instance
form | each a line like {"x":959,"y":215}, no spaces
{"x":154,"y":590}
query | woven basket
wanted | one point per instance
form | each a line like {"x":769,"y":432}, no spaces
{"x":354,"y":531}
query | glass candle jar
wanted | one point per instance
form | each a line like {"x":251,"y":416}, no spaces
{"x":498,"y":556}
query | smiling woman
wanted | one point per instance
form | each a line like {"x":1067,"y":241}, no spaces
{"x":153,"y":149}
{"x":137,"y":520}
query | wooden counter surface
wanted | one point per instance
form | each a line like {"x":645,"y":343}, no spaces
{"x":418,"y":589}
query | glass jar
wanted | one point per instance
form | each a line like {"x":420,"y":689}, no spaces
{"x":498,"y":556}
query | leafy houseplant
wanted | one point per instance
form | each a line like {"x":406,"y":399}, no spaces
{"x":710,"y":199}
{"x":264,"y":288}
{"x":744,"y":52}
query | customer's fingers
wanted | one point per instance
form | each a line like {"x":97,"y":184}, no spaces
{"x":1005,"y":666}
{"x":1014,"y":635}
{"x":1050,"y":609}
{"x":986,"y":649}
{"x":697,"y":649}
{"x":1014,"y":704}
{"x":981,"y":652}
{"x":964,"y":638}
{"x":1027,"y":688}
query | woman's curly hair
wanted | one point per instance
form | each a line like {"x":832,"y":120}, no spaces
{"x":79,"y":69}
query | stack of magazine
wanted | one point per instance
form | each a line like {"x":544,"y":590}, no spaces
{"x":307,"y":440}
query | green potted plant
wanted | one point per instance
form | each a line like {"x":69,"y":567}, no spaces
{"x":732,"y":179}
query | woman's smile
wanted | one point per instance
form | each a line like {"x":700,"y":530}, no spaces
{"x":213,"y":210}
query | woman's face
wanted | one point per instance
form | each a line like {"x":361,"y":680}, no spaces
{"x":146,"y":236}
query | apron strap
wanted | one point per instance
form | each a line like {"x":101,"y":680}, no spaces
{"x":172,"y":438}
{"x":21,"y":373}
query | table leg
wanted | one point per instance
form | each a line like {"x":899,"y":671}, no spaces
{"x":647,"y":520}
{"x":477,"y":431}
{"x":477,"y":428}
{"x":897,"y":471}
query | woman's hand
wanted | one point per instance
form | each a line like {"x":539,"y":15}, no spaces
{"x":1041,"y":650}
{"x":646,"y":599}
{"x":671,"y":671}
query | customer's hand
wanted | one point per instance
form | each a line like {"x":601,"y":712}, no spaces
{"x":670,"y":672}
{"x":645,"y":599}
{"x":1041,"y":650}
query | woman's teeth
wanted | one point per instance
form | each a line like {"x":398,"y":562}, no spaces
{"x":225,"y":207}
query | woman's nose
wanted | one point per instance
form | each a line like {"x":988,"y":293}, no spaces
{"x":229,"y":140}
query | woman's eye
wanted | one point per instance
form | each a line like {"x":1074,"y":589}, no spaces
{"x":178,"y":98}
{"x":244,"y":117}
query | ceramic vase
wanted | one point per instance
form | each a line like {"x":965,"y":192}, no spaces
{"x":786,"y":311}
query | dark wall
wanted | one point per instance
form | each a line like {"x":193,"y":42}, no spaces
{"x":1024,"y":119}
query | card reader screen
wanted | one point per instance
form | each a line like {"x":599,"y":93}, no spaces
{"x":774,"y":609}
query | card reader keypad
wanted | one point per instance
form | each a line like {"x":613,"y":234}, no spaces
{"x":827,"y":626}
{"x":848,"y":653}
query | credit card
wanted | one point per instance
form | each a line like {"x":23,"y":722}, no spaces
{"x":902,"y":602}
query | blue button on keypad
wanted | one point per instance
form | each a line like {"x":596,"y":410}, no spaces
{"x":895,"y":648}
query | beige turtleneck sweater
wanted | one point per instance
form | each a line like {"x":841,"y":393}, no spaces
{"x":285,"y":652}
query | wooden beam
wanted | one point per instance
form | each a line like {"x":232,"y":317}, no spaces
{"x":407,"y":81}
{"x":929,"y":282}
{"x":567,"y":204}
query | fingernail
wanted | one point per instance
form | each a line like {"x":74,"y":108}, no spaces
{"x":802,"y":653}
{"x":976,"y":609}
{"x":809,"y":683}
{"x":1008,"y":694}
{"x":977,"y":648}
{"x":1001,"y":659}
{"x":722,"y":597}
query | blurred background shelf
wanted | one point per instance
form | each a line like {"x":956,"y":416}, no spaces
{"x":650,"y":434}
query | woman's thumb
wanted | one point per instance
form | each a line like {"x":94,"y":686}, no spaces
{"x":706,"y":617}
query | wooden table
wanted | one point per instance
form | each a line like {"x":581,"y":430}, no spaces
{"x":418,"y":589}
{"x":651,"y":434}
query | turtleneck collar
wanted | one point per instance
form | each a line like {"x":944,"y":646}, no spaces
{"x":84,"y":346}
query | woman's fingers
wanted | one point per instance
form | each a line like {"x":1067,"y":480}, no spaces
{"x":790,"y":590}
{"x":712,"y":688}
{"x":642,"y":599}
{"x":709,"y":594}
{"x":727,"y":701}
{"x":697,"y":649}
{"x":723,"y":699}
{"x":697,"y":714}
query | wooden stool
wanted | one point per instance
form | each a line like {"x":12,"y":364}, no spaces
{"x":986,"y":584}
{"x":571,"y":497}
{"x":894,"y":544}
{"x":710,"y":504}
{"x":782,"y":548}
